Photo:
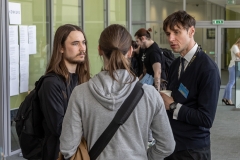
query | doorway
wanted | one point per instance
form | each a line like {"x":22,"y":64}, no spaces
{"x":229,"y":36}
{"x":216,"y":41}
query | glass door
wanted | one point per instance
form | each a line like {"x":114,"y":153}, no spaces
{"x":216,"y":41}
{"x":229,"y":32}
{"x":228,"y":37}
{"x":206,"y":38}
{"x":35,"y":14}
{"x":33,"y":23}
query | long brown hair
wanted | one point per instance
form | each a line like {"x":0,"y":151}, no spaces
{"x":57,"y":64}
{"x":115,"y":41}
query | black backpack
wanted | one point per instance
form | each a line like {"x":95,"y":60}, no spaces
{"x":29,"y":122}
{"x":168,"y":58}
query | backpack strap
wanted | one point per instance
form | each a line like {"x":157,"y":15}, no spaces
{"x":121,"y":116}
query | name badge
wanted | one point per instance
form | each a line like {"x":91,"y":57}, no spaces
{"x":183,"y":90}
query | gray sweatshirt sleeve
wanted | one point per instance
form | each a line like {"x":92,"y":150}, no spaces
{"x":162,"y":133}
{"x":71,"y":128}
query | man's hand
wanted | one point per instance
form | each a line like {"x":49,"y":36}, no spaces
{"x":167,"y":100}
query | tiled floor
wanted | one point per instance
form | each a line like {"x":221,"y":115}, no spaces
{"x":225,"y":134}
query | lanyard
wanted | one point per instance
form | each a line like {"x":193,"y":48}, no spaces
{"x":194,"y":56}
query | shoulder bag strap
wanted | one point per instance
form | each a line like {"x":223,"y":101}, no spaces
{"x":121,"y":116}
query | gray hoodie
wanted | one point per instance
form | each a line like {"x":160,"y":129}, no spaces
{"x":92,"y":107}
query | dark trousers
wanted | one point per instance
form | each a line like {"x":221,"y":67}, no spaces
{"x":191,"y":154}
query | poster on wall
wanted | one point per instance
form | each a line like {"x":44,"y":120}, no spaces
{"x":24,"y":67}
{"x":13,"y":34}
{"x":14,"y":13}
{"x":14,"y":60}
{"x":24,"y":58}
{"x":23,"y":34}
{"x":32,"y":39}
{"x":14,"y":69}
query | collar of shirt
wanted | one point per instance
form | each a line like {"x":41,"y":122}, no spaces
{"x":190,"y":54}
{"x":187,"y":58}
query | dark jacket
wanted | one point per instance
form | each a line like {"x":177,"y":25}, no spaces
{"x":53,"y":104}
{"x":192,"y":128}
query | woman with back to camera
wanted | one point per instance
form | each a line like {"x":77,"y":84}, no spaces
{"x":235,"y":54}
{"x":92,"y":106}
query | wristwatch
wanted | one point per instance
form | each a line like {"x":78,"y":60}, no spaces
{"x":172,"y":107}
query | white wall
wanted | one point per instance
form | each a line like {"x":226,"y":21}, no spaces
{"x":159,"y":10}
{"x":199,"y":12}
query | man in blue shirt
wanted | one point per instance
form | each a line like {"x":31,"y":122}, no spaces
{"x":195,"y":83}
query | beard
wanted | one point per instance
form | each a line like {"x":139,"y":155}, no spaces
{"x":75,"y":60}
{"x":143,"y":46}
{"x":72,"y":61}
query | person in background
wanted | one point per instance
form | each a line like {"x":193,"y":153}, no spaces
{"x":153,"y":71}
{"x":151,"y":58}
{"x":195,"y":83}
{"x":134,"y":58}
{"x":92,"y":106}
{"x":235,"y":55}
{"x":69,"y":61}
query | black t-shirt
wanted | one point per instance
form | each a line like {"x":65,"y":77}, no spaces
{"x":153,"y":55}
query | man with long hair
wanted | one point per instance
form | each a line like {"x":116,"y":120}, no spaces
{"x":69,"y":65}
{"x":151,"y":58}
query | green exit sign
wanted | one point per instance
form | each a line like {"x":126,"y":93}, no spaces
{"x":231,"y":2}
{"x":211,"y":52}
{"x":218,"y":21}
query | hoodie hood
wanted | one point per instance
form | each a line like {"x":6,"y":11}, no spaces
{"x":111,"y":93}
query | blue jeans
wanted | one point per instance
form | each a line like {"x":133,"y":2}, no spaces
{"x":231,"y":82}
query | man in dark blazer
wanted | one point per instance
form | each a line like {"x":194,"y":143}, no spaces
{"x":195,"y":83}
